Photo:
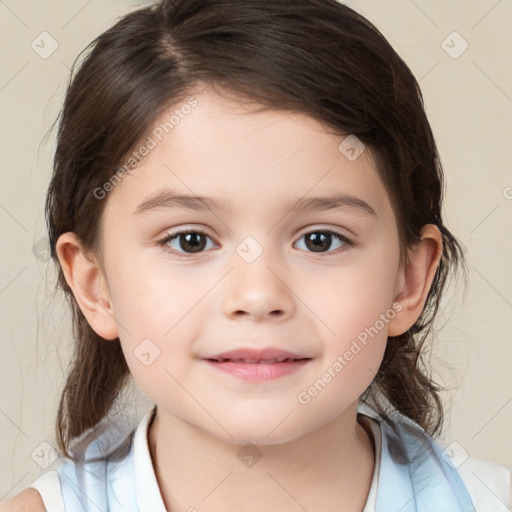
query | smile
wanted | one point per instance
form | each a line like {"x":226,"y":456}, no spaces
{"x":258,"y":370}
{"x":258,"y":361}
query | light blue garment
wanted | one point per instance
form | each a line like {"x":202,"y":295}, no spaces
{"x":414,"y":477}
{"x":411,"y":474}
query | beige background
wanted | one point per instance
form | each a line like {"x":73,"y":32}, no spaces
{"x":469,"y":103}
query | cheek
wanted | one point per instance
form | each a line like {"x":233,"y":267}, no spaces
{"x":151,"y":298}
{"x":158,"y":312}
{"x":354,"y":307}
{"x":353,"y":298}
{"x":353,"y":353}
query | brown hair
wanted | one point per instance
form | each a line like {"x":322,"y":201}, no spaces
{"x":316,"y":57}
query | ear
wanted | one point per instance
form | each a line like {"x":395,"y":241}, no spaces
{"x":414,"y":280}
{"x":85,"y":277}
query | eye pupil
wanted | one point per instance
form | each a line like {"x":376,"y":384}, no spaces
{"x":193,"y":240}
{"x":319,"y":241}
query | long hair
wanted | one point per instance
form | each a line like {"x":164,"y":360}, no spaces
{"x":316,"y":57}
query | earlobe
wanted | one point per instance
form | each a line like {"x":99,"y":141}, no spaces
{"x":415,"y":280}
{"x":85,"y":277}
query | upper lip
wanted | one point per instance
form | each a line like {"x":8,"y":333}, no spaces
{"x":257,"y":354}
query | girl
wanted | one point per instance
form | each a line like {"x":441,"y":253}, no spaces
{"x":246,"y":211}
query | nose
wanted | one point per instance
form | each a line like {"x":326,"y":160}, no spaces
{"x":258,"y":290}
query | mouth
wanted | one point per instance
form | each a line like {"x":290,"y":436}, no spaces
{"x":258,"y":361}
{"x":248,"y":355}
{"x":258,"y":365}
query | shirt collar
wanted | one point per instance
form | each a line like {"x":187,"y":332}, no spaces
{"x":409,"y":473}
{"x":149,"y":498}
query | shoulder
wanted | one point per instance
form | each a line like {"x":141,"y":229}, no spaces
{"x":488,"y":483}
{"x":28,"y":500}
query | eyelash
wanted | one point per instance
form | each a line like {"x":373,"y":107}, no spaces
{"x":171,"y":236}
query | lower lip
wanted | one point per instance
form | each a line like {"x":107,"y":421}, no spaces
{"x":259,"y":371}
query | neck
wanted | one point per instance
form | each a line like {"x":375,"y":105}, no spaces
{"x":327,"y":469}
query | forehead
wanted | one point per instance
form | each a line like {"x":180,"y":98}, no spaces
{"x":225,"y":149}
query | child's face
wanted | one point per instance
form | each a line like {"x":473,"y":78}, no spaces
{"x":257,"y":281}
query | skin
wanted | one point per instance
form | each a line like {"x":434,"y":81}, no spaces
{"x":315,"y":455}
{"x":28,"y":500}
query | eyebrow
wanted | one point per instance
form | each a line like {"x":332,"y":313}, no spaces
{"x":169,"y":199}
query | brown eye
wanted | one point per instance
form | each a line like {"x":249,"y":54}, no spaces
{"x":322,"y":240}
{"x":192,"y":242}
{"x":186,"y":242}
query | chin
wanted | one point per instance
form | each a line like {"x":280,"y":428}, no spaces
{"x":261,"y":433}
